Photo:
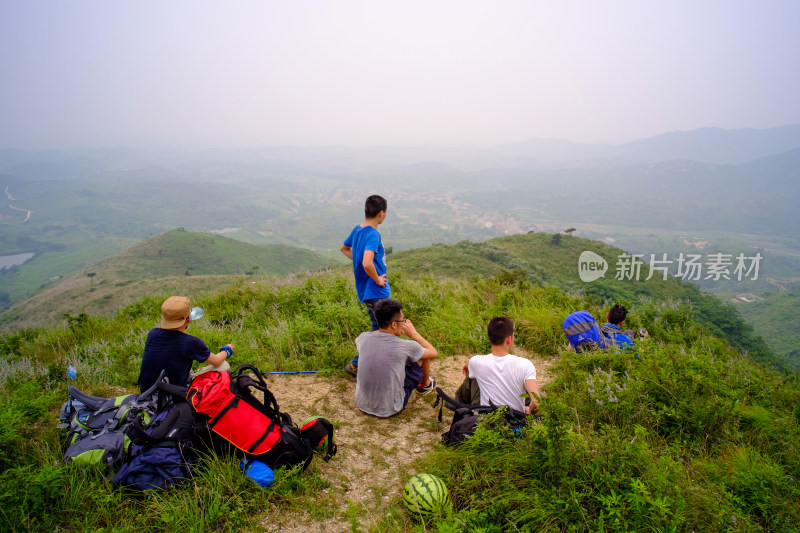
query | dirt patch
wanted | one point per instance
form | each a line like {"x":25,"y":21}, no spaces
{"x":783,"y":283}
{"x":375,"y":455}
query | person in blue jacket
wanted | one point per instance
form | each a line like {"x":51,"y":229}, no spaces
{"x":364,"y":247}
{"x":613,"y":332}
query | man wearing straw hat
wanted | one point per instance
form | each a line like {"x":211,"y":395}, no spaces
{"x":170,"y":348}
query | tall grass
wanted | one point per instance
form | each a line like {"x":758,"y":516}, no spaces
{"x":691,"y":435}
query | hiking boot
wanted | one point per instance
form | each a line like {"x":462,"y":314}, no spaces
{"x":351,"y":369}
{"x":427,"y":388}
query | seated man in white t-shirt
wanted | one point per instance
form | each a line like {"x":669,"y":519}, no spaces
{"x":500,"y":378}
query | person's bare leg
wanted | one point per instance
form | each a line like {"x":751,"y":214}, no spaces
{"x":426,"y":372}
{"x":208,"y":368}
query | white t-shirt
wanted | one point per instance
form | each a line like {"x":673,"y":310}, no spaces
{"x":502,"y":378}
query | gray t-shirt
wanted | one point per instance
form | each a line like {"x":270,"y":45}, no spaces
{"x":382,"y":370}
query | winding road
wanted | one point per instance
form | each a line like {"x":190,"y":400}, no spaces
{"x":11,"y":206}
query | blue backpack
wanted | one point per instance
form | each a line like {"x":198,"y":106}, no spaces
{"x":582,"y":332}
{"x":164,"y":450}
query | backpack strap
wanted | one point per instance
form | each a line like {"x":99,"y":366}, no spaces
{"x":177,"y":426}
{"x":172,"y":393}
{"x":269,"y":406}
{"x":443,"y":400}
{"x":91,"y":402}
{"x":332,"y":448}
{"x":174,"y":427}
{"x":259,"y":383}
{"x":154,"y":386}
{"x":137,"y":433}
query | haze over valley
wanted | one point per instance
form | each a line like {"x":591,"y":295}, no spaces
{"x":68,"y":210}
{"x":270,"y":123}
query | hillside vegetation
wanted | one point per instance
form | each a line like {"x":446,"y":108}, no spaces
{"x":775,"y":316}
{"x":553,"y":261}
{"x":175,"y":261}
{"x":689,"y":434}
{"x":74,"y":209}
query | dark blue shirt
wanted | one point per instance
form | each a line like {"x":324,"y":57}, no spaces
{"x":173,"y":351}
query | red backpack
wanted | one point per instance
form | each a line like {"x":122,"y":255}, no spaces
{"x":257,"y":428}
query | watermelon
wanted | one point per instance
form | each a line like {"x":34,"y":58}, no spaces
{"x":426,"y":495}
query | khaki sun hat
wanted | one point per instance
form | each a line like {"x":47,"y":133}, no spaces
{"x":174,"y":312}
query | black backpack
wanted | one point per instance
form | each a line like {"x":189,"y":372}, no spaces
{"x":466,"y":417}
{"x":164,"y":450}
{"x":318,"y":432}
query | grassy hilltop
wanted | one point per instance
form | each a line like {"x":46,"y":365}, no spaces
{"x":691,"y":435}
{"x":175,"y":261}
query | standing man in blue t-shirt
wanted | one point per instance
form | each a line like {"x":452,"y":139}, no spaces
{"x":364,"y":247}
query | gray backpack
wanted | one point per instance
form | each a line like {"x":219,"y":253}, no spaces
{"x":96,"y":426}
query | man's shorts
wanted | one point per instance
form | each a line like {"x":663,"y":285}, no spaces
{"x":469,"y":392}
{"x":413,"y":377}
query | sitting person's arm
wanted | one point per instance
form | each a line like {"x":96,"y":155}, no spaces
{"x":411,"y":332}
{"x":216,"y":359}
{"x":532,"y":388}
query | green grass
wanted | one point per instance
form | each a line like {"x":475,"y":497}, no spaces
{"x":690,"y":436}
{"x":535,"y":258}
{"x":775,"y":318}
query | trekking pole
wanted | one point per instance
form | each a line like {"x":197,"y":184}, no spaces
{"x":292,"y":372}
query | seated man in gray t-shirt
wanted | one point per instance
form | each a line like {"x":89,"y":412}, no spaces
{"x":389,"y":367}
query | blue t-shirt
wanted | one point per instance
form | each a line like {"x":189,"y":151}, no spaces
{"x":360,"y":240}
{"x":173,"y":351}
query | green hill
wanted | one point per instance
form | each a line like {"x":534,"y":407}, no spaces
{"x":173,"y":262}
{"x":552,"y":260}
{"x":774,"y":316}
{"x":178,"y":252}
{"x":196,"y":263}
{"x":688,"y":435}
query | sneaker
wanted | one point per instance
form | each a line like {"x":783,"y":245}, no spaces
{"x":427,"y":388}
{"x":351,"y":369}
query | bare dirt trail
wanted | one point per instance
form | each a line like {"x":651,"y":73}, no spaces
{"x":376,"y":456}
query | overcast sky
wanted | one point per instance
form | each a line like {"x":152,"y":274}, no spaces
{"x":197,"y":74}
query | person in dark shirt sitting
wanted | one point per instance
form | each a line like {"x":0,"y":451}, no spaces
{"x":171,"y":349}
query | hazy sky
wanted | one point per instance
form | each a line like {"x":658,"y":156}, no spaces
{"x":200,"y":74}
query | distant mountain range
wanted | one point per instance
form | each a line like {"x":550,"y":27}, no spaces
{"x":759,"y":196}
{"x":706,"y":145}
